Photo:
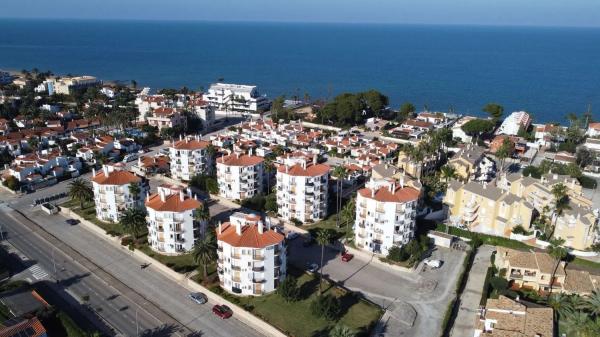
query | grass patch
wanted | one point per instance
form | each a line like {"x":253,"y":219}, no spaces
{"x":88,"y":212}
{"x":585,"y":263}
{"x":486,"y":239}
{"x":296,"y":319}
{"x":5,"y":314}
{"x":345,"y":231}
{"x":180,"y":263}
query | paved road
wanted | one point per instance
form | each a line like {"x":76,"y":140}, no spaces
{"x":77,"y":281}
{"x":415,"y":302}
{"x":150,"y":284}
{"x":464,"y":324}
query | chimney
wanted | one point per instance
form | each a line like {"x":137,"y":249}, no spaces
{"x":238,"y":228}
{"x":314,"y":159}
{"x":93,"y":172}
{"x":220,"y":228}
{"x":260,"y":227}
{"x":105,"y":169}
{"x":402,"y":182}
{"x":147,"y":196}
{"x":180,"y":138}
{"x":161,"y":192}
{"x":392,"y":187}
{"x":181,"y":195}
{"x":373,"y":192}
{"x":251,"y":151}
{"x":287,"y":168}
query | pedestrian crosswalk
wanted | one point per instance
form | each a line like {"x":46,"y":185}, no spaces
{"x":37,"y":272}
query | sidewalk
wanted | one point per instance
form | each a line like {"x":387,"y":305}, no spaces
{"x":464,"y":324}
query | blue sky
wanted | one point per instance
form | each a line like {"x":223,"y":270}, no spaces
{"x":493,"y":12}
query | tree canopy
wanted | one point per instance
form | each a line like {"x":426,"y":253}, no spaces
{"x":478,"y":126}
{"x":350,"y":109}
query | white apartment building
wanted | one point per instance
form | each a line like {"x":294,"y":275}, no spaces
{"x":251,"y":256}
{"x":240,"y":176}
{"x":111,"y":191}
{"x":302,"y":188}
{"x":171,"y":225}
{"x":513,"y":123}
{"x":205,"y":112}
{"x":189,"y":157}
{"x":236,"y":98}
{"x":66,"y":85}
{"x":386,"y":211}
{"x":166,"y":118}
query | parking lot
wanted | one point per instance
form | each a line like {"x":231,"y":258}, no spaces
{"x":415,"y":302}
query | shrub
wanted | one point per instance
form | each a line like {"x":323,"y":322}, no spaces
{"x":520,"y":230}
{"x":498,"y":283}
{"x":12,"y":183}
{"x":288,"y":289}
{"x":587,"y":182}
{"x":397,"y":254}
{"x":256,"y":203}
{"x":327,"y":306}
{"x":126,"y":241}
{"x":296,"y":222}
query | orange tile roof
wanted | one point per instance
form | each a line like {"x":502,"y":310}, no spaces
{"x":383,"y":194}
{"x":311,"y":170}
{"x":172,"y":203}
{"x":240,"y":160}
{"x":191,"y":144}
{"x":250,"y":237}
{"x":115,"y":178}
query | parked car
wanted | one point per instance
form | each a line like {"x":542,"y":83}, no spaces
{"x":222,"y":311}
{"x":347,"y":256}
{"x":292,"y":235}
{"x":433,"y":263}
{"x":72,"y":222}
{"x":199,"y":298}
{"x":312,"y":267}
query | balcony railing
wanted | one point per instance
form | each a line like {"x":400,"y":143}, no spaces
{"x":258,"y":257}
{"x":258,"y":269}
{"x":237,"y":268}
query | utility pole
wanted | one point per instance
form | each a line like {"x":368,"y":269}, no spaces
{"x":54,"y":265}
{"x":1,"y":233}
{"x":137,"y":326}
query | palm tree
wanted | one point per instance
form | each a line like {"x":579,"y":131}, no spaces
{"x":80,"y":190}
{"x":340,"y":173}
{"x":134,"y":190}
{"x":448,"y":172}
{"x":269,"y":168}
{"x":341,"y":331}
{"x":202,"y":214}
{"x":559,"y":253}
{"x":323,"y":238}
{"x":576,"y":323}
{"x":593,"y":303}
{"x":205,"y":251}
{"x":561,"y":201}
{"x":560,"y":304}
{"x":133,"y":221}
{"x":349,"y":212}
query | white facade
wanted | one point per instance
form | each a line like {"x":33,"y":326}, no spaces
{"x":385,"y":215}
{"x":593,"y":130}
{"x":111,"y":192}
{"x":188,"y":158}
{"x":240,"y":176}
{"x":302,"y":189}
{"x":513,"y":123}
{"x":171,"y":225}
{"x":66,"y":85}
{"x":236,"y":98}
{"x":251,"y":256}
{"x":457,"y":131}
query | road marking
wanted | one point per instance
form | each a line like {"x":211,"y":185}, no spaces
{"x":37,"y":272}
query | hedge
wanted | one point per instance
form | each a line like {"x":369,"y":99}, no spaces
{"x":486,"y":239}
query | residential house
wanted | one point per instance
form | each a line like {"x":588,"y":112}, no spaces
{"x":251,"y":256}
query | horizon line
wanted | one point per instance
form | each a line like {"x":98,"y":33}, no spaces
{"x":302,"y":22}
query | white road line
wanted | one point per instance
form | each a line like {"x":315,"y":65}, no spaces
{"x":37,"y":272}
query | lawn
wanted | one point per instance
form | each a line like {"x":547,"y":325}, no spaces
{"x":296,"y":319}
{"x":585,"y":263}
{"x":88,"y":212}
{"x":180,"y":263}
{"x":331,"y":223}
{"x":487,"y":239}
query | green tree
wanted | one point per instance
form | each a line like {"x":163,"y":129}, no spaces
{"x":503,"y":152}
{"x":134,"y":190}
{"x":271,"y":203}
{"x":81,"y":191}
{"x":406,"y":110}
{"x":12,"y":183}
{"x":348,"y":213}
{"x":593,"y":303}
{"x":576,"y":323}
{"x":327,"y":306}
{"x":269,"y":169}
{"x":288,"y":289}
{"x":447,"y":173}
{"x":494,"y":110}
{"x":560,"y":305}
{"x":133,"y":221}
{"x":559,"y":253}
{"x":323,"y":238}
{"x":478,"y":127}
{"x":202,"y":213}
{"x":561,"y":201}
{"x":277,"y":108}
{"x":342,"y":331}
{"x":205,"y":251}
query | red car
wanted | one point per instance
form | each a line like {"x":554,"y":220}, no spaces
{"x":222,"y":311}
{"x":347,"y":256}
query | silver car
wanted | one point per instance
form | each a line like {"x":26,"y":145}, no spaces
{"x":199,"y":298}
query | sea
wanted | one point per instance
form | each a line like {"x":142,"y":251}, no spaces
{"x":546,"y":71}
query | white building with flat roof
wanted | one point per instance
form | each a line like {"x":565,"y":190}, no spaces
{"x":236,"y":98}
{"x":251,"y":256}
{"x":66,"y":85}
{"x":189,"y":157}
{"x":386,"y":212}
{"x":112,"y":193}
{"x":172,"y":228}
{"x":302,"y":189}
{"x":240,"y":176}
{"x":513,"y":123}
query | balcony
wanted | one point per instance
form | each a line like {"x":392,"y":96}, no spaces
{"x":277,"y":262}
{"x":258,"y":269}
{"x":220,"y":249}
{"x":258,"y":257}
{"x":516,"y":275}
{"x":236,"y":256}
{"x":236,"y":268}
{"x":258,"y":281}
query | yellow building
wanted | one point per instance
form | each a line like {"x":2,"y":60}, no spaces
{"x":487,"y":209}
{"x":414,"y":168}
{"x":466,"y":160}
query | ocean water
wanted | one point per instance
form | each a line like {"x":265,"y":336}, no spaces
{"x":546,"y":71}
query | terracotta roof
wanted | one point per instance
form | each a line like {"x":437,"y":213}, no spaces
{"x":311,"y":170}
{"x":250,"y":237}
{"x":115,"y":178}
{"x":191,"y":144}
{"x":240,"y":160}
{"x":172,"y":203}
{"x":31,"y":328}
{"x":383,"y":194}
{"x":595,"y":126}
